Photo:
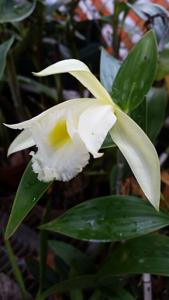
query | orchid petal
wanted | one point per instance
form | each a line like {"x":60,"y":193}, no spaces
{"x":63,"y":164}
{"x":81,"y":72}
{"x":94,"y":124}
{"x":22,"y":141}
{"x":80,"y":103}
{"x":140,"y":154}
{"x":59,"y":159}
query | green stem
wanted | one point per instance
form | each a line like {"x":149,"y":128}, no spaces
{"x":43,"y":251}
{"x":59,"y":88}
{"x":120,"y":169}
{"x":16,"y":271}
{"x":14,"y":87}
{"x":115,"y":24}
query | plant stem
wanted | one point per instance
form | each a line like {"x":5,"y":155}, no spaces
{"x":14,"y":87}
{"x":115,"y":24}
{"x":43,"y":251}
{"x":120,"y":167}
{"x":16,"y":271}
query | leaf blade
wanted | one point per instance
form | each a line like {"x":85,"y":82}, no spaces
{"x":148,"y":254}
{"x":30,"y":190}
{"x":13,"y":11}
{"x":136,"y":75}
{"x":111,"y":218}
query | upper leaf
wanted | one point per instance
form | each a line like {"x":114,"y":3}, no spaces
{"x":135,"y":77}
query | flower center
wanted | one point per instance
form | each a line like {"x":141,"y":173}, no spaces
{"x":59,"y":135}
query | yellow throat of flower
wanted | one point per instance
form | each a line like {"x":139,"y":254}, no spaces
{"x":59,"y":135}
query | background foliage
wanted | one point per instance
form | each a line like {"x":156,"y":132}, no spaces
{"x":98,"y":234}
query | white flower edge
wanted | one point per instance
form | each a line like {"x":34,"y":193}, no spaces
{"x":140,"y":155}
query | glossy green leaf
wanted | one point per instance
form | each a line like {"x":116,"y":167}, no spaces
{"x":109,"y":67}
{"x":15,"y":11}
{"x":111,"y":218}
{"x":135,"y":77}
{"x":30,"y":190}
{"x":156,"y":108}
{"x":148,"y":254}
{"x":72,"y":256}
{"x":4,"y":48}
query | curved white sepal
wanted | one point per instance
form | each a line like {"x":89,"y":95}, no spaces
{"x":140,"y":154}
{"x":22,"y":141}
{"x":67,"y":105}
{"x":81,"y":72}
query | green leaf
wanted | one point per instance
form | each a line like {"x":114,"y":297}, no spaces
{"x":111,"y":218}
{"x":15,"y":11}
{"x":82,"y":282}
{"x":111,"y":293}
{"x":163,"y":65}
{"x":76,"y":294}
{"x":109,"y":67}
{"x":139,"y":115}
{"x":156,"y":108}
{"x":117,"y":293}
{"x":34,"y":86}
{"x":148,"y":254}
{"x":72,"y":256}
{"x":135,"y":77}
{"x":4,"y":48}
{"x":108,"y":142}
{"x":30,"y":190}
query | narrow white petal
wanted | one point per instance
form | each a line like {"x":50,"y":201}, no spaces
{"x":94,"y":124}
{"x":23,"y":141}
{"x":140,"y":154}
{"x":62,"y":164}
{"x":79,"y":70}
{"x":67,"y":105}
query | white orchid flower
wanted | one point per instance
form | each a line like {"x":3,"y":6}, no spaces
{"x":66,"y":133}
